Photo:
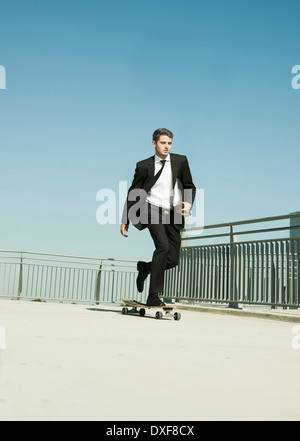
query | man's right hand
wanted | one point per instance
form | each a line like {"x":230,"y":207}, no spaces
{"x":124,"y":228}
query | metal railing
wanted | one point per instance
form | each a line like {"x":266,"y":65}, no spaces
{"x":41,"y":276}
{"x":257,"y":272}
{"x":235,"y":271}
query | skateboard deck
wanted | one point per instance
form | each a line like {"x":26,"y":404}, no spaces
{"x":140,"y":308}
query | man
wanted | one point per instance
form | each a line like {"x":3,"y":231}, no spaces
{"x":161,"y":194}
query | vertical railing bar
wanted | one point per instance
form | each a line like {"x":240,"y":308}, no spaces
{"x":68,"y":282}
{"x":20,"y":284}
{"x":223,"y":272}
{"x":181,"y":286}
{"x":9,"y":273}
{"x":238,"y":272}
{"x":292,"y":259}
{"x":64,"y":281}
{"x":257,"y":271}
{"x":263,"y":270}
{"x":206,"y":275}
{"x":272,"y":273}
{"x":46,"y":282}
{"x":194,"y":273}
{"x":31,"y":292}
{"x":27,"y":279}
{"x":41,"y":281}
{"x":90,"y":289}
{"x":298,"y":271}
{"x":266,"y":292}
{"x":55,"y":283}
{"x":82,"y":271}
{"x":77,"y":282}
{"x":202,"y":274}
{"x":243,"y":272}
{"x":218,"y":293}
{"x":213,"y":263}
{"x":282,"y":278}
{"x":4,"y":279}
{"x":276,"y":250}
{"x":288,"y":290}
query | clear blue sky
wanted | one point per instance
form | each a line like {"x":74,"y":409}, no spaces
{"x":89,"y":81}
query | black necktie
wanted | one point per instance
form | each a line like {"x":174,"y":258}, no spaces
{"x":156,"y":177}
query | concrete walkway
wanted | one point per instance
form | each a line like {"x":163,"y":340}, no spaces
{"x":81,"y":362}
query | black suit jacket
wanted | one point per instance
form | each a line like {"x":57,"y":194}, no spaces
{"x":143,"y":176}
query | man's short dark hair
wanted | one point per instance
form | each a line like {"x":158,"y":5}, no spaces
{"x":160,"y":132}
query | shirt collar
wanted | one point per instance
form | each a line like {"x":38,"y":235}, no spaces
{"x":158,"y":159}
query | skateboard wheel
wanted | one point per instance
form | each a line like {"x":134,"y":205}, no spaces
{"x":177,"y":316}
{"x":158,"y":315}
{"x":142,"y":312}
{"x":125,"y":311}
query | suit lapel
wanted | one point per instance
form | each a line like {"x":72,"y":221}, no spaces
{"x":151,"y":167}
{"x":174,"y":169}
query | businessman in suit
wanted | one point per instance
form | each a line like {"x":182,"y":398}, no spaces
{"x":161,"y":194}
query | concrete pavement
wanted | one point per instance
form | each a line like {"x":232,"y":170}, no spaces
{"x":84,"y":362}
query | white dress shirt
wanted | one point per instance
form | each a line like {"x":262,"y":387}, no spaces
{"x":162,"y":194}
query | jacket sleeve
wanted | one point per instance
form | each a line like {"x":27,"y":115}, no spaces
{"x":137,"y":183}
{"x":187,"y":183}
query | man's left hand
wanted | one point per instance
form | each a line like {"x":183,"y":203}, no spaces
{"x":186,"y":208}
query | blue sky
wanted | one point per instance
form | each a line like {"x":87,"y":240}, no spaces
{"x":89,"y":81}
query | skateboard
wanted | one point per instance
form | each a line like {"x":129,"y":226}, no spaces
{"x":140,"y":308}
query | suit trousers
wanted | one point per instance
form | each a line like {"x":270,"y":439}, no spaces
{"x":167,"y":240}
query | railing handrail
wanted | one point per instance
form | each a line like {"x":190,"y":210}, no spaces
{"x":233,"y":233}
{"x":70,"y":256}
{"x":282,"y":239}
{"x":248,"y":221}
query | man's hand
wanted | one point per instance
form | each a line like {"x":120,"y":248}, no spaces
{"x":124,"y":228}
{"x":186,"y":208}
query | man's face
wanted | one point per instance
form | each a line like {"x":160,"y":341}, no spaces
{"x":163,"y":146}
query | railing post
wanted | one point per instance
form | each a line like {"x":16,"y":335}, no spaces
{"x":232,"y":285}
{"x":98,"y":284}
{"x":113,"y":281}
{"x":20,"y":285}
{"x":298,"y":270}
{"x":272,"y":278}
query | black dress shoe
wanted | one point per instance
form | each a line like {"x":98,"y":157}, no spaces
{"x":142,"y":275}
{"x":154,"y":300}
